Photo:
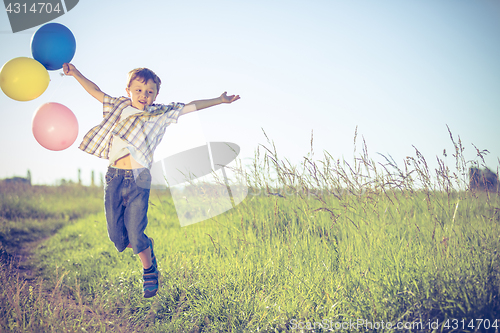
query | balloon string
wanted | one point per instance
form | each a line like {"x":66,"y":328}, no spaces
{"x":58,"y":86}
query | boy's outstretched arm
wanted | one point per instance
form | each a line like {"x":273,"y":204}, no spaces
{"x":88,"y":85}
{"x":206,"y":103}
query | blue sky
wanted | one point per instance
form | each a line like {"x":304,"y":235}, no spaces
{"x":398,"y":70}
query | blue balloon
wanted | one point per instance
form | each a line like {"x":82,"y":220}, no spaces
{"x":53,"y":45}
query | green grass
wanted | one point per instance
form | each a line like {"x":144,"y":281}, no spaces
{"x":29,"y":213}
{"x":271,"y":260}
{"x":342,"y":242}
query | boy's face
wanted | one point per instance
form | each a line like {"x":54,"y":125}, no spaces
{"x":142,"y":93}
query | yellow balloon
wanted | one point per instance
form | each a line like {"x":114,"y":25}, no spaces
{"x":23,"y":79}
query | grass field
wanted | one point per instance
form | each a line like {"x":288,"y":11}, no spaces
{"x":344,"y":246}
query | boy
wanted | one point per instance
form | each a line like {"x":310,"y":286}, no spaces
{"x":128,"y":135}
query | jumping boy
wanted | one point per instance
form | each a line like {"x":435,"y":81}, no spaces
{"x":131,"y":130}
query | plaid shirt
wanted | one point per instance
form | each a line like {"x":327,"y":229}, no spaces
{"x":143,"y":130}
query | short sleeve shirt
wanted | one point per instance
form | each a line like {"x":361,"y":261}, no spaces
{"x":143,"y":130}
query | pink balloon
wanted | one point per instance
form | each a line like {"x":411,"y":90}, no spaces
{"x":54,"y":126}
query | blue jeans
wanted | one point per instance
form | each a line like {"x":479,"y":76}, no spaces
{"x":126,"y":196}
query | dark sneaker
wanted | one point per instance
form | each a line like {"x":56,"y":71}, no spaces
{"x":150,"y":284}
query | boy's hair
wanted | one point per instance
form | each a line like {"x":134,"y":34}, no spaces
{"x":144,"y":75}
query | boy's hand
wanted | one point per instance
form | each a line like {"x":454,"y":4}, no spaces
{"x":229,"y":99}
{"x":69,"y":69}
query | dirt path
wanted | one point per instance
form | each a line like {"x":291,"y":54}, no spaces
{"x":27,"y":278}
{"x":22,"y":257}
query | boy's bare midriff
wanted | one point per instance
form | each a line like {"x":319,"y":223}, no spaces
{"x":127,"y":162}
